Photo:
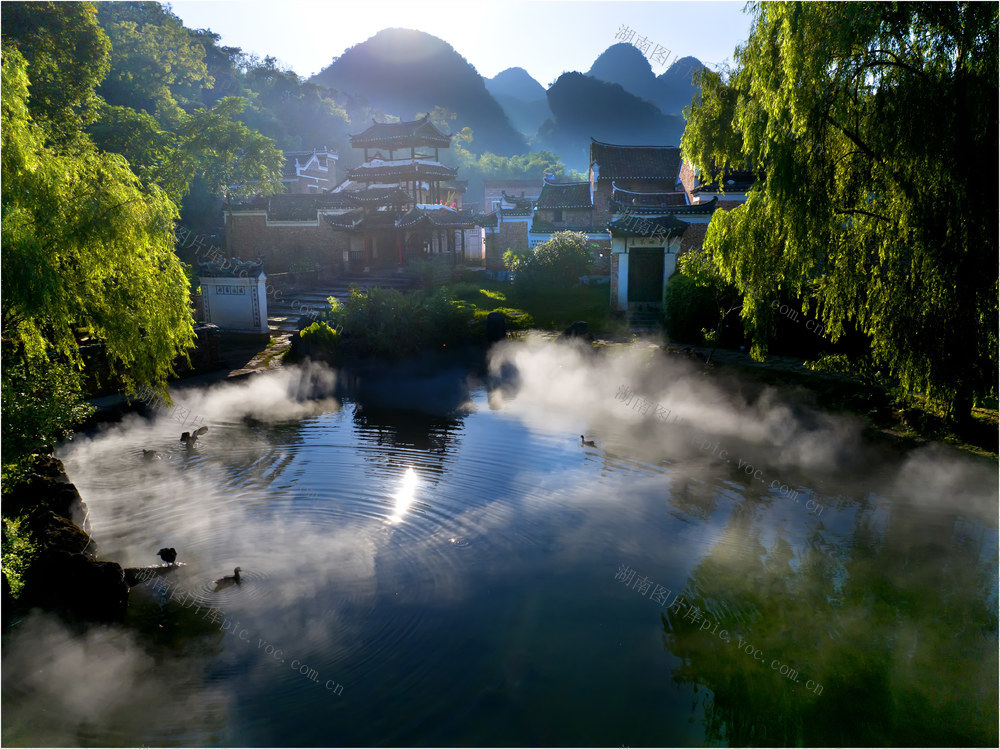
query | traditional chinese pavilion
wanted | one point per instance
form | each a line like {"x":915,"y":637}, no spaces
{"x":401,"y":203}
{"x":404,"y":200}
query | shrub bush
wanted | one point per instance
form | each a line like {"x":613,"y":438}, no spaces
{"x":558,"y":262}
{"x":389,"y":323}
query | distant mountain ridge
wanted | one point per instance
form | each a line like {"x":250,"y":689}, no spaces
{"x":522,"y":98}
{"x":403,"y":72}
{"x":619,"y":99}
{"x":516,"y":83}
{"x":584,"y":107}
{"x":625,"y":65}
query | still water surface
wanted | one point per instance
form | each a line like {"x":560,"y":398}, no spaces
{"x":482,"y":578}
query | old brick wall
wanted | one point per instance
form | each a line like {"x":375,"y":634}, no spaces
{"x":693,"y":237}
{"x":570,"y":216}
{"x":512,"y":235}
{"x":284,"y":247}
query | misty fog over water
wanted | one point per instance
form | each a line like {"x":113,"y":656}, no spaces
{"x":464,"y":571}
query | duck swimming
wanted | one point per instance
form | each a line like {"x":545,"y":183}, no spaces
{"x":587,"y":443}
{"x":233,"y":579}
{"x":150,"y":454}
{"x":189,"y":439}
{"x":168,"y":555}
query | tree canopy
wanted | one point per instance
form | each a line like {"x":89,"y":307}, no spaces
{"x":87,"y":249}
{"x":69,"y":56}
{"x":90,"y":201}
{"x":871,"y":123}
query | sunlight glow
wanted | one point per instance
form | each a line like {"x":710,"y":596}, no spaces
{"x":405,"y":495}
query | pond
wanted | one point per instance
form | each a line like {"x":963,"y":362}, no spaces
{"x":724,"y":566}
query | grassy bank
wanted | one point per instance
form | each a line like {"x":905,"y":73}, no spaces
{"x":385,"y":323}
{"x":549,"y":308}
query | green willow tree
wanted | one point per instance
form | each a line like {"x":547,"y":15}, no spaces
{"x":89,"y":240}
{"x":88,"y":252}
{"x":872,"y":123}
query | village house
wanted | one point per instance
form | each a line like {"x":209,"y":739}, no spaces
{"x":496,"y":191}
{"x":506,"y":227}
{"x":641,"y":207}
{"x":731,"y":193}
{"x":566,"y":206}
{"x":521,"y":223}
{"x":309,"y":172}
{"x":637,"y":193}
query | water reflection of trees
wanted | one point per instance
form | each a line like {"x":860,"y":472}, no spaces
{"x":898,"y":627}
{"x":398,"y":434}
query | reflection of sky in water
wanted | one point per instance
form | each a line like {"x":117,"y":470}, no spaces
{"x":346,"y":521}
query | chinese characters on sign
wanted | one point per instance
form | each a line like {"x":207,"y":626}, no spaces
{"x":660,"y":53}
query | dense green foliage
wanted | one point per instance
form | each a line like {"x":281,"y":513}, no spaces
{"x":544,"y":307}
{"x":708,"y":287}
{"x":86,"y":247}
{"x":41,"y":400}
{"x":90,"y":197}
{"x":871,"y":123}
{"x":19,"y":549}
{"x":558,"y":262}
{"x":157,"y":66}
{"x":688,"y":308}
{"x":482,"y":299}
{"x":68,"y":56}
{"x":390,"y":323}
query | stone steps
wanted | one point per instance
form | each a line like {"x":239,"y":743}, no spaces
{"x":283,"y":316}
{"x":645,"y":320}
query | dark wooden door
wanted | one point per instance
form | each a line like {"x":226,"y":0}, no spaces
{"x":645,"y":275}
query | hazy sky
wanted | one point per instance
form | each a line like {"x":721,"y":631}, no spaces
{"x":545,"y":38}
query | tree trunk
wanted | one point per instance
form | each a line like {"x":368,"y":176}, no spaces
{"x":960,"y":411}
